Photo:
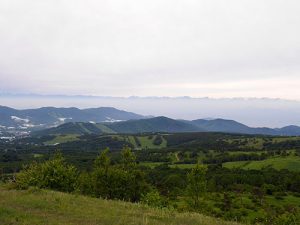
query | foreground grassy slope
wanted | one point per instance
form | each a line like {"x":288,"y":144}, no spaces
{"x":37,"y":207}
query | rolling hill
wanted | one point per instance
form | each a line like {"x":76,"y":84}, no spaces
{"x":157,"y":124}
{"x":41,"y":118}
{"x":231,"y":126}
{"x":77,"y":128}
{"x":221,"y":125}
{"x":167,"y":125}
{"x":111,"y":120}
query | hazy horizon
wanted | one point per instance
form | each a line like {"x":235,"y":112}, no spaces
{"x":252,"y":112}
{"x":236,"y":50}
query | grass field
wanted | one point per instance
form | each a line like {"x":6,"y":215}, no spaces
{"x":151,"y":164}
{"x":180,"y":166}
{"x":290,"y":162}
{"x":146,"y":142}
{"x":258,"y":142}
{"x":36,"y":207}
{"x":183,"y":166}
{"x":104,"y":128}
{"x":282,"y":139}
{"x":63,"y":139}
{"x":244,"y":152}
{"x":251,"y":142}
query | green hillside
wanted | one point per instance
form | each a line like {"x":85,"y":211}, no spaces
{"x":146,"y":141}
{"x":77,"y":128}
{"x":62,"y":139}
{"x":291,"y":163}
{"x":165,"y":125}
{"x":156,"y":124}
{"x":37,"y":207}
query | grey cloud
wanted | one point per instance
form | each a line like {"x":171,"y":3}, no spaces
{"x":133,"y":47}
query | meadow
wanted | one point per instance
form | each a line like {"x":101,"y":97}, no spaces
{"x":36,"y":207}
{"x":291,"y":163}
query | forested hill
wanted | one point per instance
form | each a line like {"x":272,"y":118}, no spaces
{"x":164,"y":124}
{"x":41,"y":118}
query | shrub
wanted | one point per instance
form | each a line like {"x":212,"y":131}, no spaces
{"x":29,"y":176}
{"x":84,"y":184}
{"x":54,"y":174}
{"x":153,"y":199}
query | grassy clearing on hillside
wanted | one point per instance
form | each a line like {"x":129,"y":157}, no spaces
{"x":183,"y":166}
{"x":63,"y":139}
{"x":146,"y":142}
{"x":290,"y":162}
{"x":282,"y":139}
{"x":251,"y":142}
{"x":104,"y":128}
{"x":151,"y":164}
{"x":35,"y":207}
{"x":258,"y":142}
{"x":248,"y":153}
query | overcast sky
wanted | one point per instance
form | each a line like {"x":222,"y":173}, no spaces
{"x":215,"y":48}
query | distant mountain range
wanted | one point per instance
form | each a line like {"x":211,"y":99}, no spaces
{"x":36,"y":119}
{"x":52,"y":121}
{"x":256,"y":112}
{"x":164,"y":124}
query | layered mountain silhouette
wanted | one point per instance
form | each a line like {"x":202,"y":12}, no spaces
{"x":41,"y":118}
{"x":167,"y":125}
{"x":51,"y":120}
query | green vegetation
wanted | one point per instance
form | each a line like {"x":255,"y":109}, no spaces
{"x":167,"y":125}
{"x":284,"y":139}
{"x":148,"y":142}
{"x":182,"y":166}
{"x":150,"y":164}
{"x":58,"y":139}
{"x":55,"y":174}
{"x":35,"y":207}
{"x":246,"y":196}
{"x":77,"y":128}
{"x":289,"y":162}
{"x":196,"y":188}
{"x":248,"y":178}
{"x":104,"y":128}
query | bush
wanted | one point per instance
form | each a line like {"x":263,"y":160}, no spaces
{"x":54,"y":174}
{"x":84,"y":184}
{"x":153,"y":199}
{"x":29,"y":176}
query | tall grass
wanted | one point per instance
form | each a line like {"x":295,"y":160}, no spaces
{"x":36,"y":207}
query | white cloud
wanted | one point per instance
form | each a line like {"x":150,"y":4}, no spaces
{"x":120,"y":48}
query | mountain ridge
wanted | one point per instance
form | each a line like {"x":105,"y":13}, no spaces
{"x":27,"y":120}
{"x":167,"y":125}
{"x":109,"y":119}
